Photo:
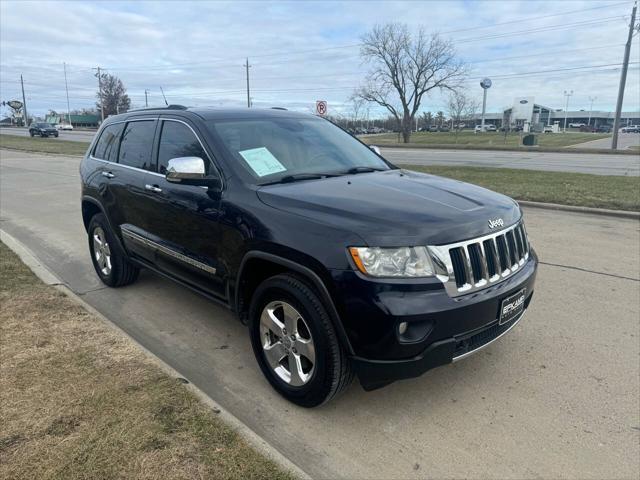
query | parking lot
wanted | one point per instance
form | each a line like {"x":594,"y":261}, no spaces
{"x":558,"y":397}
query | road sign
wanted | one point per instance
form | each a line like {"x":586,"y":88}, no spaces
{"x":321,"y":107}
{"x":15,"y":104}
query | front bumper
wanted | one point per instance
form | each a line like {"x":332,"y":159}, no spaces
{"x":448,"y":328}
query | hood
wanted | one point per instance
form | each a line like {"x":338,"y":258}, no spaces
{"x":397,"y":207}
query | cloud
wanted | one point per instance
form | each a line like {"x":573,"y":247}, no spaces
{"x":304,"y":51}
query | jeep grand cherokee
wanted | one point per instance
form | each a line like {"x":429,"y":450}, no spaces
{"x":339,"y":263}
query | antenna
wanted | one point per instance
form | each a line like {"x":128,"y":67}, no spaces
{"x":165,"y":98}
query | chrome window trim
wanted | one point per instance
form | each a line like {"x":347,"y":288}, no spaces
{"x":443,"y":264}
{"x":475,"y":350}
{"x":168,"y":251}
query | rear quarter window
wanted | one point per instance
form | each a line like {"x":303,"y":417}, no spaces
{"x":107,"y":145}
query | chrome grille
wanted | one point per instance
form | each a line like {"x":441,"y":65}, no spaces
{"x":465,"y":267}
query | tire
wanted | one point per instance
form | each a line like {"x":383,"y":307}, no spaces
{"x":55,"y":135}
{"x":330,"y":372}
{"x":111,"y":263}
{"x":31,"y":134}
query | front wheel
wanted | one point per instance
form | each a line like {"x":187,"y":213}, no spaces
{"x":109,"y":260}
{"x":295,"y":343}
{"x":31,"y":134}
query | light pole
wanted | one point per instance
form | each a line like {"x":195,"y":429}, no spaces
{"x":486,"y":85}
{"x":591,"y":100}
{"x":566,"y":108}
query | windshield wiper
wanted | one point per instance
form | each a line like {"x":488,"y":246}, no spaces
{"x":354,"y":170}
{"x":296,"y":177}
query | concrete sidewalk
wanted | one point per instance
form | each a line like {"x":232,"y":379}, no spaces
{"x":557,"y":397}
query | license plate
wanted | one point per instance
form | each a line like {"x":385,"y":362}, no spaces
{"x":512,"y":306}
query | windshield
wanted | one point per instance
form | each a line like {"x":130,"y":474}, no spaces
{"x":271,"y":149}
{"x":42,"y":125}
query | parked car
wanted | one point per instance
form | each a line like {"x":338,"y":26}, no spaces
{"x":603,"y":129}
{"x":631,"y":129}
{"x":432,"y":128}
{"x":443,"y":128}
{"x":587,"y":128}
{"x":339,"y":262}
{"x":547,"y":129}
{"x":486,"y":128}
{"x":64,"y":126}
{"x":43,"y":130}
{"x":576,"y":125}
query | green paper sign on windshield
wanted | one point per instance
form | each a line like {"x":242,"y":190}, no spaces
{"x":261,"y":161}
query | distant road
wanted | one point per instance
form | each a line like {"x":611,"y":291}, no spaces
{"x":594,"y":163}
{"x":74,"y":135}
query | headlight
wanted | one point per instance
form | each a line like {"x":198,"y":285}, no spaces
{"x":405,"y":262}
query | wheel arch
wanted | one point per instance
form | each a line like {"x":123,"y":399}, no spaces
{"x":91,"y":207}
{"x":281,"y":265}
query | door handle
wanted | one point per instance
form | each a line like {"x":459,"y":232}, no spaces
{"x":153,"y":188}
{"x":108,"y":174}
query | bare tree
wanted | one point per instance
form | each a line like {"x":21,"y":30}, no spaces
{"x":439,"y":118}
{"x":404,"y":68}
{"x":427,"y":119}
{"x":460,"y":106}
{"x":357,"y":108}
{"x":114,"y":95}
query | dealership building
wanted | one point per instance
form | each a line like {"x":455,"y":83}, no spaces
{"x":525,"y":110}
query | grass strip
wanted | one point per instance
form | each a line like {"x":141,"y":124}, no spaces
{"x":43,"y":145}
{"x":579,"y":189}
{"x":79,"y":400}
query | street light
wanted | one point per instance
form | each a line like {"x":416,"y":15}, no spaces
{"x":566,"y":108}
{"x":591,"y":100}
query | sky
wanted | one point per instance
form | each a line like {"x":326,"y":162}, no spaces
{"x":305,"y":51}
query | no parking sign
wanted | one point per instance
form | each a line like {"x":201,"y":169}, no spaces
{"x":321,"y":107}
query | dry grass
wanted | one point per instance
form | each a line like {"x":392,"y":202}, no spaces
{"x":45,"y":145}
{"x":79,"y":400}
{"x":566,"y":188}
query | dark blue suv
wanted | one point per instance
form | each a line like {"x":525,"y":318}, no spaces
{"x":340,"y":263}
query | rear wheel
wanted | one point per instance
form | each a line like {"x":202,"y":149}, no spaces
{"x":31,"y":133}
{"x":295,"y":343}
{"x":109,"y":260}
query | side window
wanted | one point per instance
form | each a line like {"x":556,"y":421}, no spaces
{"x":107,"y":146}
{"x":136,"y":144}
{"x":177,"y":140}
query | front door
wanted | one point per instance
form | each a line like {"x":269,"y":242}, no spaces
{"x":183,"y":219}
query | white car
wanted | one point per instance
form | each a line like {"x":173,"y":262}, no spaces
{"x":487,"y":128}
{"x":631,"y":129}
{"x":64,"y":126}
{"x":576,"y":125}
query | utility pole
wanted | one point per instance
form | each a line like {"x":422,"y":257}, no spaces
{"x":100,"y":93}
{"x":24,"y":103}
{"x":566,"y":108}
{"x":146,"y":103}
{"x":246,"y":65}
{"x":623,"y":78}
{"x":66,"y":87}
{"x":591,"y":100}
{"x":163,"y":96}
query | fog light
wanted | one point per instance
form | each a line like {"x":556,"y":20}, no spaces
{"x":402,"y":328}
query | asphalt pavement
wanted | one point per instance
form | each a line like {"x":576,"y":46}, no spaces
{"x":594,"y":163}
{"x":71,"y":135}
{"x":556,"y":398}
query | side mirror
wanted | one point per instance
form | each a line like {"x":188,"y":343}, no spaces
{"x":375,"y":149}
{"x":189,"y":171}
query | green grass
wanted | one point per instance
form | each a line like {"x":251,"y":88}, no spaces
{"x":579,"y":189}
{"x":43,"y":145}
{"x":488,"y":139}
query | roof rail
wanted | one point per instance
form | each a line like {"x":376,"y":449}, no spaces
{"x":168,"y":107}
{"x":278,"y":108}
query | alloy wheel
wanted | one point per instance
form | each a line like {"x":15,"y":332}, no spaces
{"x":102,"y":251}
{"x":287,"y":343}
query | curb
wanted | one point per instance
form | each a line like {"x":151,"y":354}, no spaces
{"x":251,"y":437}
{"x":575,"y":209}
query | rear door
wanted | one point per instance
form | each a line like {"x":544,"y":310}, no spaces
{"x":127,"y":185}
{"x":182,"y":220}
